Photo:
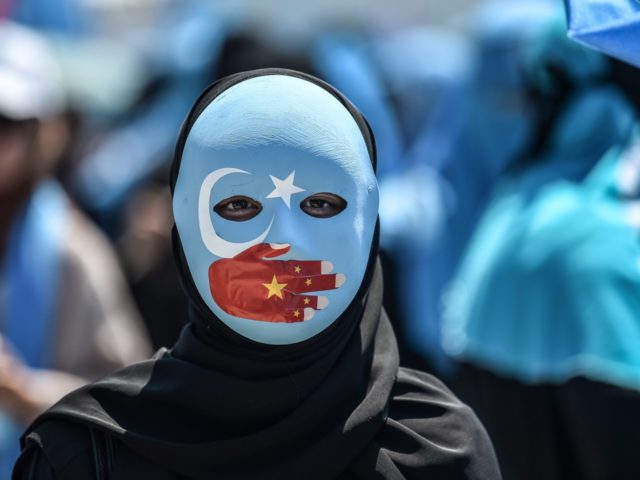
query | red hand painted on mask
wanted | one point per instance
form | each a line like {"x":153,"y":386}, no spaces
{"x":248,"y":286}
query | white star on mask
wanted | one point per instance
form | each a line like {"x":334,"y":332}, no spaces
{"x":284,"y":189}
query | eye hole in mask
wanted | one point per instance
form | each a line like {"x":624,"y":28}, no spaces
{"x":238,"y":208}
{"x":323,"y":205}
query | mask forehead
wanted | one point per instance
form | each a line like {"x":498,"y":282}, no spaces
{"x":278,"y":110}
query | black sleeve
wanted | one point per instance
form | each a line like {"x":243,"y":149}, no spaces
{"x":429,"y":433}
{"x":58,"y":450}
{"x":33,"y":465}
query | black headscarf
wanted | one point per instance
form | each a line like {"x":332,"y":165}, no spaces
{"x":220,"y":405}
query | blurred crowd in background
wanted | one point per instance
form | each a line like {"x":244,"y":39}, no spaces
{"x":509,"y":213}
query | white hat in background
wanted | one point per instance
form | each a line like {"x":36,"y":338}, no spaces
{"x":31,"y":84}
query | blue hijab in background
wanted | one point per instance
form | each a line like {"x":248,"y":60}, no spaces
{"x":181,"y":49}
{"x":30,"y":284}
{"x":429,"y":72}
{"x":483,"y":124}
{"x":609,"y":26}
{"x":549,"y":286}
{"x":345,"y":61}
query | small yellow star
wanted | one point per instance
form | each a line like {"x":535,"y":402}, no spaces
{"x":296,"y":313}
{"x":297,"y":269}
{"x":306,"y":300}
{"x":274,"y":288}
{"x":307,"y":282}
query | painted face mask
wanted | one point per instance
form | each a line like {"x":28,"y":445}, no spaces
{"x":275,"y":204}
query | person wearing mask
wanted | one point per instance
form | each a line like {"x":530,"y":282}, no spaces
{"x":65,"y":315}
{"x":288,"y":368}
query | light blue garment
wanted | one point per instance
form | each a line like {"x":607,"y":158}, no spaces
{"x":413,"y":207}
{"x":549,"y":287}
{"x":479,"y":122}
{"x":518,"y":44}
{"x":181,"y":49}
{"x":31,"y":281}
{"x":253,"y":138}
{"x":345,"y":62}
{"x":62,"y":16}
{"x":609,"y":26}
{"x":428,"y":71}
{"x":485,"y":125}
{"x":132,"y":153}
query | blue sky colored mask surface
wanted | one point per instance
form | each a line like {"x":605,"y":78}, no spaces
{"x":284,"y":275}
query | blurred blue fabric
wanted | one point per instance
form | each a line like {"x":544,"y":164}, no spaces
{"x":30,"y":279}
{"x":610,"y":26}
{"x":344,"y":60}
{"x":521,"y":46}
{"x":430,"y":99}
{"x":181,"y":49}
{"x":428,"y":71}
{"x":31,"y":272}
{"x":61,"y":16}
{"x":549,"y":286}
{"x":481,"y":123}
{"x":487,"y":123}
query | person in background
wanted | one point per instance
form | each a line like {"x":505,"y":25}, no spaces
{"x":65,"y":315}
{"x":544,"y":310}
{"x":178,"y":44}
{"x":470,"y":91}
{"x":429,"y":73}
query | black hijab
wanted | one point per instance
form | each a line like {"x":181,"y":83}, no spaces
{"x":220,"y":405}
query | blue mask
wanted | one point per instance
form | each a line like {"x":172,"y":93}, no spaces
{"x":275,"y":203}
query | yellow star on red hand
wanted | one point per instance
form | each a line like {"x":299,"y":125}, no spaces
{"x":274,"y":288}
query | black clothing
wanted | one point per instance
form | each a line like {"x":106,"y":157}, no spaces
{"x":428,"y":434}
{"x":161,"y":301}
{"x":189,"y":412}
{"x":219,"y":405}
{"x":581,"y":429}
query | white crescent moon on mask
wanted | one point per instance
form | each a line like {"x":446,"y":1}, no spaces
{"x":214,"y":243}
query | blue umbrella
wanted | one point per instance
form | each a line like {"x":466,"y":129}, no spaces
{"x":609,"y":26}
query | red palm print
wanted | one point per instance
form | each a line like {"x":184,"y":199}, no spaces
{"x":249,"y":286}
